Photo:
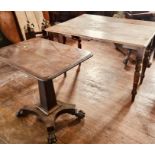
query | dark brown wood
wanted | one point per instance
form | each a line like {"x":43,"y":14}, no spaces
{"x":50,"y":36}
{"x":61,"y":16}
{"x":148,"y":58}
{"x":145,"y":65}
{"x":64,"y":39}
{"x":140,"y":15}
{"x":78,"y":40}
{"x":50,"y":121}
{"x":137,"y":74}
{"x":79,"y":43}
{"x":47,"y":95}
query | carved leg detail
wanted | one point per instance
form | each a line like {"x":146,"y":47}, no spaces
{"x":49,"y":121}
{"x":145,"y":65}
{"x":25,"y":112}
{"x":137,"y":73}
{"x":151,"y":56}
{"x":78,"y":113}
{"x":51,"y":135}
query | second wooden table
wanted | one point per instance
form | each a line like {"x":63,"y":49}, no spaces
{"x":134,"y":34}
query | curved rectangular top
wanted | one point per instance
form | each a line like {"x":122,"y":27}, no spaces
{"x":118,"y":30}
{"x":42,"y":58}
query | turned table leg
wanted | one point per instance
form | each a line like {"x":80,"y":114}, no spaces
{"x":145,"y":65}
{"x":149,"y":54}
{"x":79,"y":43}
{"x":137,"y":73}
{"x":63,"y":39}
{"x":64,"y":42}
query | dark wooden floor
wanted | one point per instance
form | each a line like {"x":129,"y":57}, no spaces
{"x":102,"y":89}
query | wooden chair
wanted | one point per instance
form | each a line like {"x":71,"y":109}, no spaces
{"x":32,"y":23}
{"x":31,"y":33}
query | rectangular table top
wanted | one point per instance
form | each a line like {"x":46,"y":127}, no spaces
{"x":135,"y":33}
{"x":43,"y":59}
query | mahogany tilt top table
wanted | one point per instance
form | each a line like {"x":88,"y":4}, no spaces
{"x":45,"y":60}
{"x":135,"y":34}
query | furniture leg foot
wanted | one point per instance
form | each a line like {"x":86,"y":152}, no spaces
{"x":49,"y":120}
{"x":25,"y":112}
{"x":70,"y":110}
{"x":80,"y":114}
{"x":21,"y":113}
{"x":51,"y":135}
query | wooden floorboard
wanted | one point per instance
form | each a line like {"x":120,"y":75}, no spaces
{"x":102,"y":88}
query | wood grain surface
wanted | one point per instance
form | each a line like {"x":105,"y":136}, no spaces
{"x":123,"y":31}
{"x":42,"y":58}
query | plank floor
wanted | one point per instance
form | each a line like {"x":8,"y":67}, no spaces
{"x":102,"y":88}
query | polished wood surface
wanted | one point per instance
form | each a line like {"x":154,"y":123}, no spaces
{"x":43,"y":59}
{"x":102,"y":91}
{"x":123,"y":31}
